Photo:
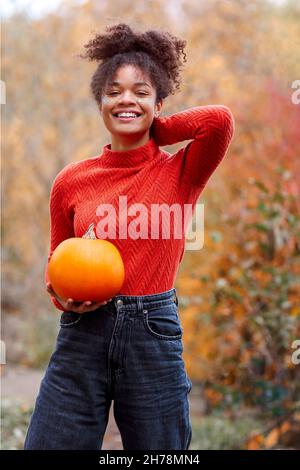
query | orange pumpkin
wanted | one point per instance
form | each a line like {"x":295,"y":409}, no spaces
{"x":85,"y":269}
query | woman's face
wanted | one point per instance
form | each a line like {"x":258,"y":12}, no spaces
{"x":130,"y":90}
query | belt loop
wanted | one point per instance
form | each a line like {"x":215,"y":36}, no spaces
{"x":139,"y":304}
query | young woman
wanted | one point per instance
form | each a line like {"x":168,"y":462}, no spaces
{"x":128,"y":349}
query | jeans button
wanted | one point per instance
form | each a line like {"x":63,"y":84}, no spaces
{"x":119,"y":302}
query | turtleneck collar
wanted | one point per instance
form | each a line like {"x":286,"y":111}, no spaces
{"x":138,"y":156}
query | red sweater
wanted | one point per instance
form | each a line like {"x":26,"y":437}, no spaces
{"x":146,"y":175}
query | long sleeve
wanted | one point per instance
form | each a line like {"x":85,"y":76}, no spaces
{"x":61,"y":221}
{"x":211,"y":127}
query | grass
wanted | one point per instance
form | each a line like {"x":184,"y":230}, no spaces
{"x":210,"y":432}
{"x":14,"y":423}
{"x":216,"y":432}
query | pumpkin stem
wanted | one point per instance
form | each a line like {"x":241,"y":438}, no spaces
{"x":90,"y":232}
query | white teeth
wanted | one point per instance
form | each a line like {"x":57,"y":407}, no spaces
{"x":127,"y":115}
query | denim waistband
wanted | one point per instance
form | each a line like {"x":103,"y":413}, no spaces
{"x":160,"y":299}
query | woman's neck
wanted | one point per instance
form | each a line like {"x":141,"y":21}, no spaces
{"x":124,"y":143}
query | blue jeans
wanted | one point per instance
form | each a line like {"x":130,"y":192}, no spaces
{"x":128,"y":351}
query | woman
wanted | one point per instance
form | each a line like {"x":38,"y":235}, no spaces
{"x":128,"y":349}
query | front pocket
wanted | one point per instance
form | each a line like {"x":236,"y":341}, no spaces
{"x":69,"y":318}
{"x":163,"y":322}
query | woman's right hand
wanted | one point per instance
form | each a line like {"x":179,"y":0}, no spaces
{"x":78,"y":307}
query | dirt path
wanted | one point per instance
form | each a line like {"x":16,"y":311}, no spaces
{"x":22,"y":385}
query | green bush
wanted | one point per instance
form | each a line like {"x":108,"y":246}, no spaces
{"x":267,"y":243}
{"x":15,"y":420}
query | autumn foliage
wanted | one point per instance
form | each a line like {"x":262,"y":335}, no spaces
{"x":239,"y":295}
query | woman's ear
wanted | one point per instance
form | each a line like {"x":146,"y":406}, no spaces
{"x":158,"y":107}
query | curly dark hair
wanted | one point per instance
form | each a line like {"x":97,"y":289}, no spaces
{"x":157,"y":53}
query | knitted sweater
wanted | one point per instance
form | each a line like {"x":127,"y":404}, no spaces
{"x":146,"y":175}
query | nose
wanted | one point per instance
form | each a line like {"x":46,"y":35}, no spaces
{"x":127,"y":97}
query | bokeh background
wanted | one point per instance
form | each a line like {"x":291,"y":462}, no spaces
{"x":238,"y":296}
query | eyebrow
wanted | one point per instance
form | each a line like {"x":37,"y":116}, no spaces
{"x":136,"y":83}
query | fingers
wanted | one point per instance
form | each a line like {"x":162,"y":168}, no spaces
{"x":87,"y":306}
{"x":51,"y":292}
{"x":49,"y":288}
{"x":105,"y":302}
{"x":79,"y":307}
{"x":96,"y":305}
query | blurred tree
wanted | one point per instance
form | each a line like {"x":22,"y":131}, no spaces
{"x":238,"y":295}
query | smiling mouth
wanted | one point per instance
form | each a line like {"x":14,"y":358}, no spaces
{"x":123,"y":118}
